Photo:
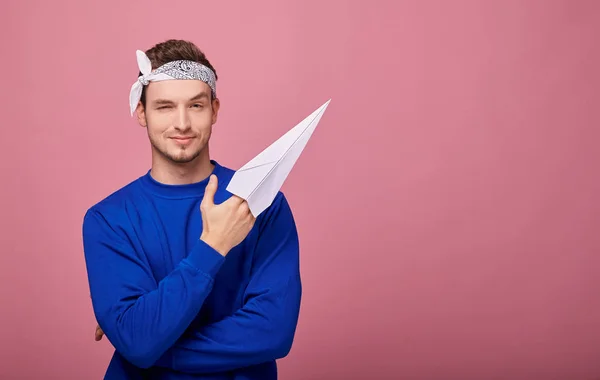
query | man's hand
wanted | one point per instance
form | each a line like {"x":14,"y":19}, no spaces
{"x":99,"y":333}
{"x":226,"y":225}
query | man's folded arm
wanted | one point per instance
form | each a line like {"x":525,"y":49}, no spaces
{"x":140,"y":317}
{"x":264,"y":328}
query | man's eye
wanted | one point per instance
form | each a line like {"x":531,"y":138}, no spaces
{"x":163,"y":107}
{"x":198,"y":105}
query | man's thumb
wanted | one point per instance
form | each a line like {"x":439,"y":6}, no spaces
{"x":211,"y":189}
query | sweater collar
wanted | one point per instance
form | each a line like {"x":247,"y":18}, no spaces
{"x":190,"y":190}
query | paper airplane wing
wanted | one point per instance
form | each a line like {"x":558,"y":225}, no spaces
{"x":259,"y":181}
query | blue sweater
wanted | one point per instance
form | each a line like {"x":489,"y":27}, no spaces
{"x":172,"y":306}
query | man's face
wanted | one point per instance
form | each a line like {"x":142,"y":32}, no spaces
{"x":179,"y":118}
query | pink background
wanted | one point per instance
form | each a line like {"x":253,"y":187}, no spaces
{"x":447,"y":203}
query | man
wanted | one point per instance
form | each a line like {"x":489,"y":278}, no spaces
{"x":185,"y":282}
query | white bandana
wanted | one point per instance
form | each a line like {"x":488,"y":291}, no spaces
{"x":168,"y":71}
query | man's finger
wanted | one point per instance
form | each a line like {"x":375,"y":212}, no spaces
{"x":235,"y":200}
{"x":99,"y":333}
{"x":209,"y":194}
{"x":245,"y":207}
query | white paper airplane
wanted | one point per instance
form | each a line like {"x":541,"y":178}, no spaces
{"x":259,"y":181}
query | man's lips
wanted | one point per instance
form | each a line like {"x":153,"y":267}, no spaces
{"x":182,"y":139}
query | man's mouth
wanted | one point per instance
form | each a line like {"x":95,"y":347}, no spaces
{"x":182,"y":139}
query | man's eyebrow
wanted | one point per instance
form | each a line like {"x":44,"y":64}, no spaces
{"x":200,"y":96}
{"x":162,"y":101}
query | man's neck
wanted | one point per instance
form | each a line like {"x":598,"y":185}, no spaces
{"x":171,"y":173}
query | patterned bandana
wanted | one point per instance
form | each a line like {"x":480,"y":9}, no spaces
{"x":168,"y":71}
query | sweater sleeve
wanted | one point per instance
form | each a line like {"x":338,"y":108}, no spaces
{"x":141,"y":317}
{"x":264,"y":328}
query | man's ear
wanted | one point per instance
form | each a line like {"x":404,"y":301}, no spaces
{"x":141,"y":115}
{"x":216,"y":104}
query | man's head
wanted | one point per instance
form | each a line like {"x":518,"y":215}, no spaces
{"x":178,"y":114}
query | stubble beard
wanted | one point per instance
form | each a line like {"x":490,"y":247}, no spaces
{"x":184,"y":156}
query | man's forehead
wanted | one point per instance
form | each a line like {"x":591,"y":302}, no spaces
{"x":177,"y":90}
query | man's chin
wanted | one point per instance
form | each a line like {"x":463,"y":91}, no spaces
{"x":178,"y":155}
{"x":183,"y":157}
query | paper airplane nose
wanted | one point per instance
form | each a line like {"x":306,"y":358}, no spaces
{"x":259,"y":181}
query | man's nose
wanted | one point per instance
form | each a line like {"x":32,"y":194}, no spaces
{"x":183,"y":121}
